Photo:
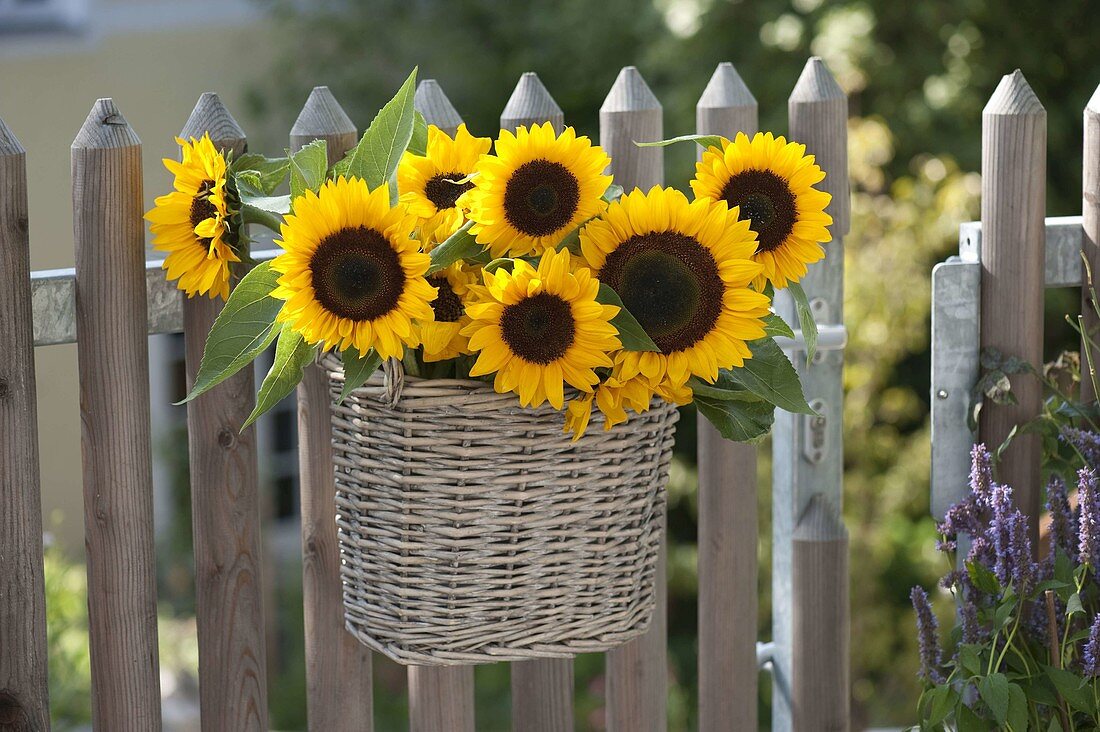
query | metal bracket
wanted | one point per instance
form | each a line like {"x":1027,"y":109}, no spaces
{"x":830,"y":337}
{"x":815,"y":441}
{"x":765,"y":652}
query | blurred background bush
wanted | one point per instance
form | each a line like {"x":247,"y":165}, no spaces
{"x":917,"y":75}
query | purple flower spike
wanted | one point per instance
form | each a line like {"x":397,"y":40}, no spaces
{"x":1063,"y":519}
{"x":927,"y":637}
{"x":981,"y":475}
{"x":1023,"y":568}
{"x":1091,"y":665}
{"x":1088,"y":500}
{"x":968,"y":618}
{"x":1000,"y":531}
{"x":1086,"y":442}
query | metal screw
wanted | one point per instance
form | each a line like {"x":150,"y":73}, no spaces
{"x":941,"y":394}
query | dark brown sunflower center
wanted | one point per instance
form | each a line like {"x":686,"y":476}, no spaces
{"x":541,"y":197}
{"x":442,"y":192}
{"x":539,"y":329}
{"x":767,"y":201}
{"x":356,"y":274}
{"x":669,"y":282}
{"x":447,"y":305}
{"x":201,"y":208}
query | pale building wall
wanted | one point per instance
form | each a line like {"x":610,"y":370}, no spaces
{"x":154,"y":58}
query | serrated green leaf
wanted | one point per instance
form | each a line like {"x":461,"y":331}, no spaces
{"x":308,"y":167}
{"x":242,"y":330}
{"x":1017,"y":709}
{"x":379,"y":151}
{"x":983,"y":578}
{"x":770,"y":375}
{"x":357,"y":369}
{"x":631,"y":332}
{"x":970,"y":659}
{"x":704,"y":141}
{"x":967,"y":721}
{"x":993,"y":690}
{"x":418,"y":143}
{"x":461,"y":245}
{"x":941,"y":701}
{"x":805,"y":318}
{"x":292,"y":355}
{"x":776,"y":326}
{"x":272,"y":204}
{"x":263,"y":174}
{"x":737,"y":420}
{"x":1072,"y":688}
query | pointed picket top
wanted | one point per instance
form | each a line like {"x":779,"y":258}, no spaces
{"x":211,"y":116}
{"x":9,"y":143}
{"x":629,"y":93}
{"x":322,"y":116}
{"x":530,"y":104}
{"x":816,"y":83}
{"x":726,"y":90}
{"x":105,"y":127}
{"x":1014,"y":96}
{"x":437,"y":109}
{"x":1093,"y":107}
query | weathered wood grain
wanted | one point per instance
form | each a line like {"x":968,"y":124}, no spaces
{"x":1090,"y":243}
{"x":441,"y":698}
{"x":820,"y":592}
{"x":531,"y":104}
{"x":1014,"y":132}
{"x":338,"y":667}
{"x":24,"y":696}
{"x":225,"y":504}
{"x":542,"y":690}
{"x":437,"y":109}
{"x":637,"y":673}
{"x":113,"y":358}
{"x":727,"y":502}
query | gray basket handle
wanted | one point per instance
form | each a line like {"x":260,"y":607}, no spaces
{"x":394,"y":372}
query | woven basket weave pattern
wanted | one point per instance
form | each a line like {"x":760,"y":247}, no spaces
{"x":473,"y":531}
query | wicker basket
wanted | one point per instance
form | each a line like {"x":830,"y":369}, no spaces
{"x":474,"y":531}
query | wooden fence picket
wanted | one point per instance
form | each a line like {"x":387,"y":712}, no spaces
{"x":637,"y":672}
{"x":225,"y":504}
{"x":1090,"y":222}
{"x":338,"y":667}
{"x":727,"y":501}
{"x":113,"y":362}
{"x":24,"y":697}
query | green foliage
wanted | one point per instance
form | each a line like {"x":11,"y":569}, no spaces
{"x":292,"y":355}
{"x":308,"y":167}
{"x":357,"y":369}
{"x":459,"y":246}
{"x":631,"y":332}
{"x":242,"y":330}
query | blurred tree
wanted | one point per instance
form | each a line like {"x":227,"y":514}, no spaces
{"x":918,"y":75}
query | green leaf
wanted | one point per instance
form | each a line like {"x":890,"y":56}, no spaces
{"x":805,"y":317}
{"x":418,"y":143}
{"x":631,"y":332}
{"x":1072,"y":688}
{"x":941,"y":702}
{"x":260,"y":173}
{"x":572,"y":240}
{"x":993,"y":690}
{"x":292,"y":355}
{"x":970,"y":659}
{"x":242,"y":330}
{"x":770,"y":375}
{"x":1074,"y":604}
{"x":776,"y":326}
{"x":705,"y":141}
{"x":737,"y":420}
{"x":379,"y":151}
{"x":272,"y":204}
{"x":983,"y":578}
{"x":967,"y":721}
{"x":722,"y":392}
{"x":308,"y":167}
{"x":254,"y":215}
{"x":458,"y":246}
{"x":499,"y":262}
{"x":357,"y":369}
{"x":1055,"y":725}
{"x":1017,"y":709}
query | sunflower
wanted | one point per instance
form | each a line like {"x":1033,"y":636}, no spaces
{"x":539,"y":328}
{"x":425,"y":180}
{"x":191,"y":222}
{"x":351,"y":274}
{"x":682,"y":270}
{"x":770,"y":182}
{"x":536,"y":189}
{"x":615,"y":395}
{"x":442,"y":337}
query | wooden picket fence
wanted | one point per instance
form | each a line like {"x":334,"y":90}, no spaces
{"x":991,"y":295}
{"x":114,"y":299}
